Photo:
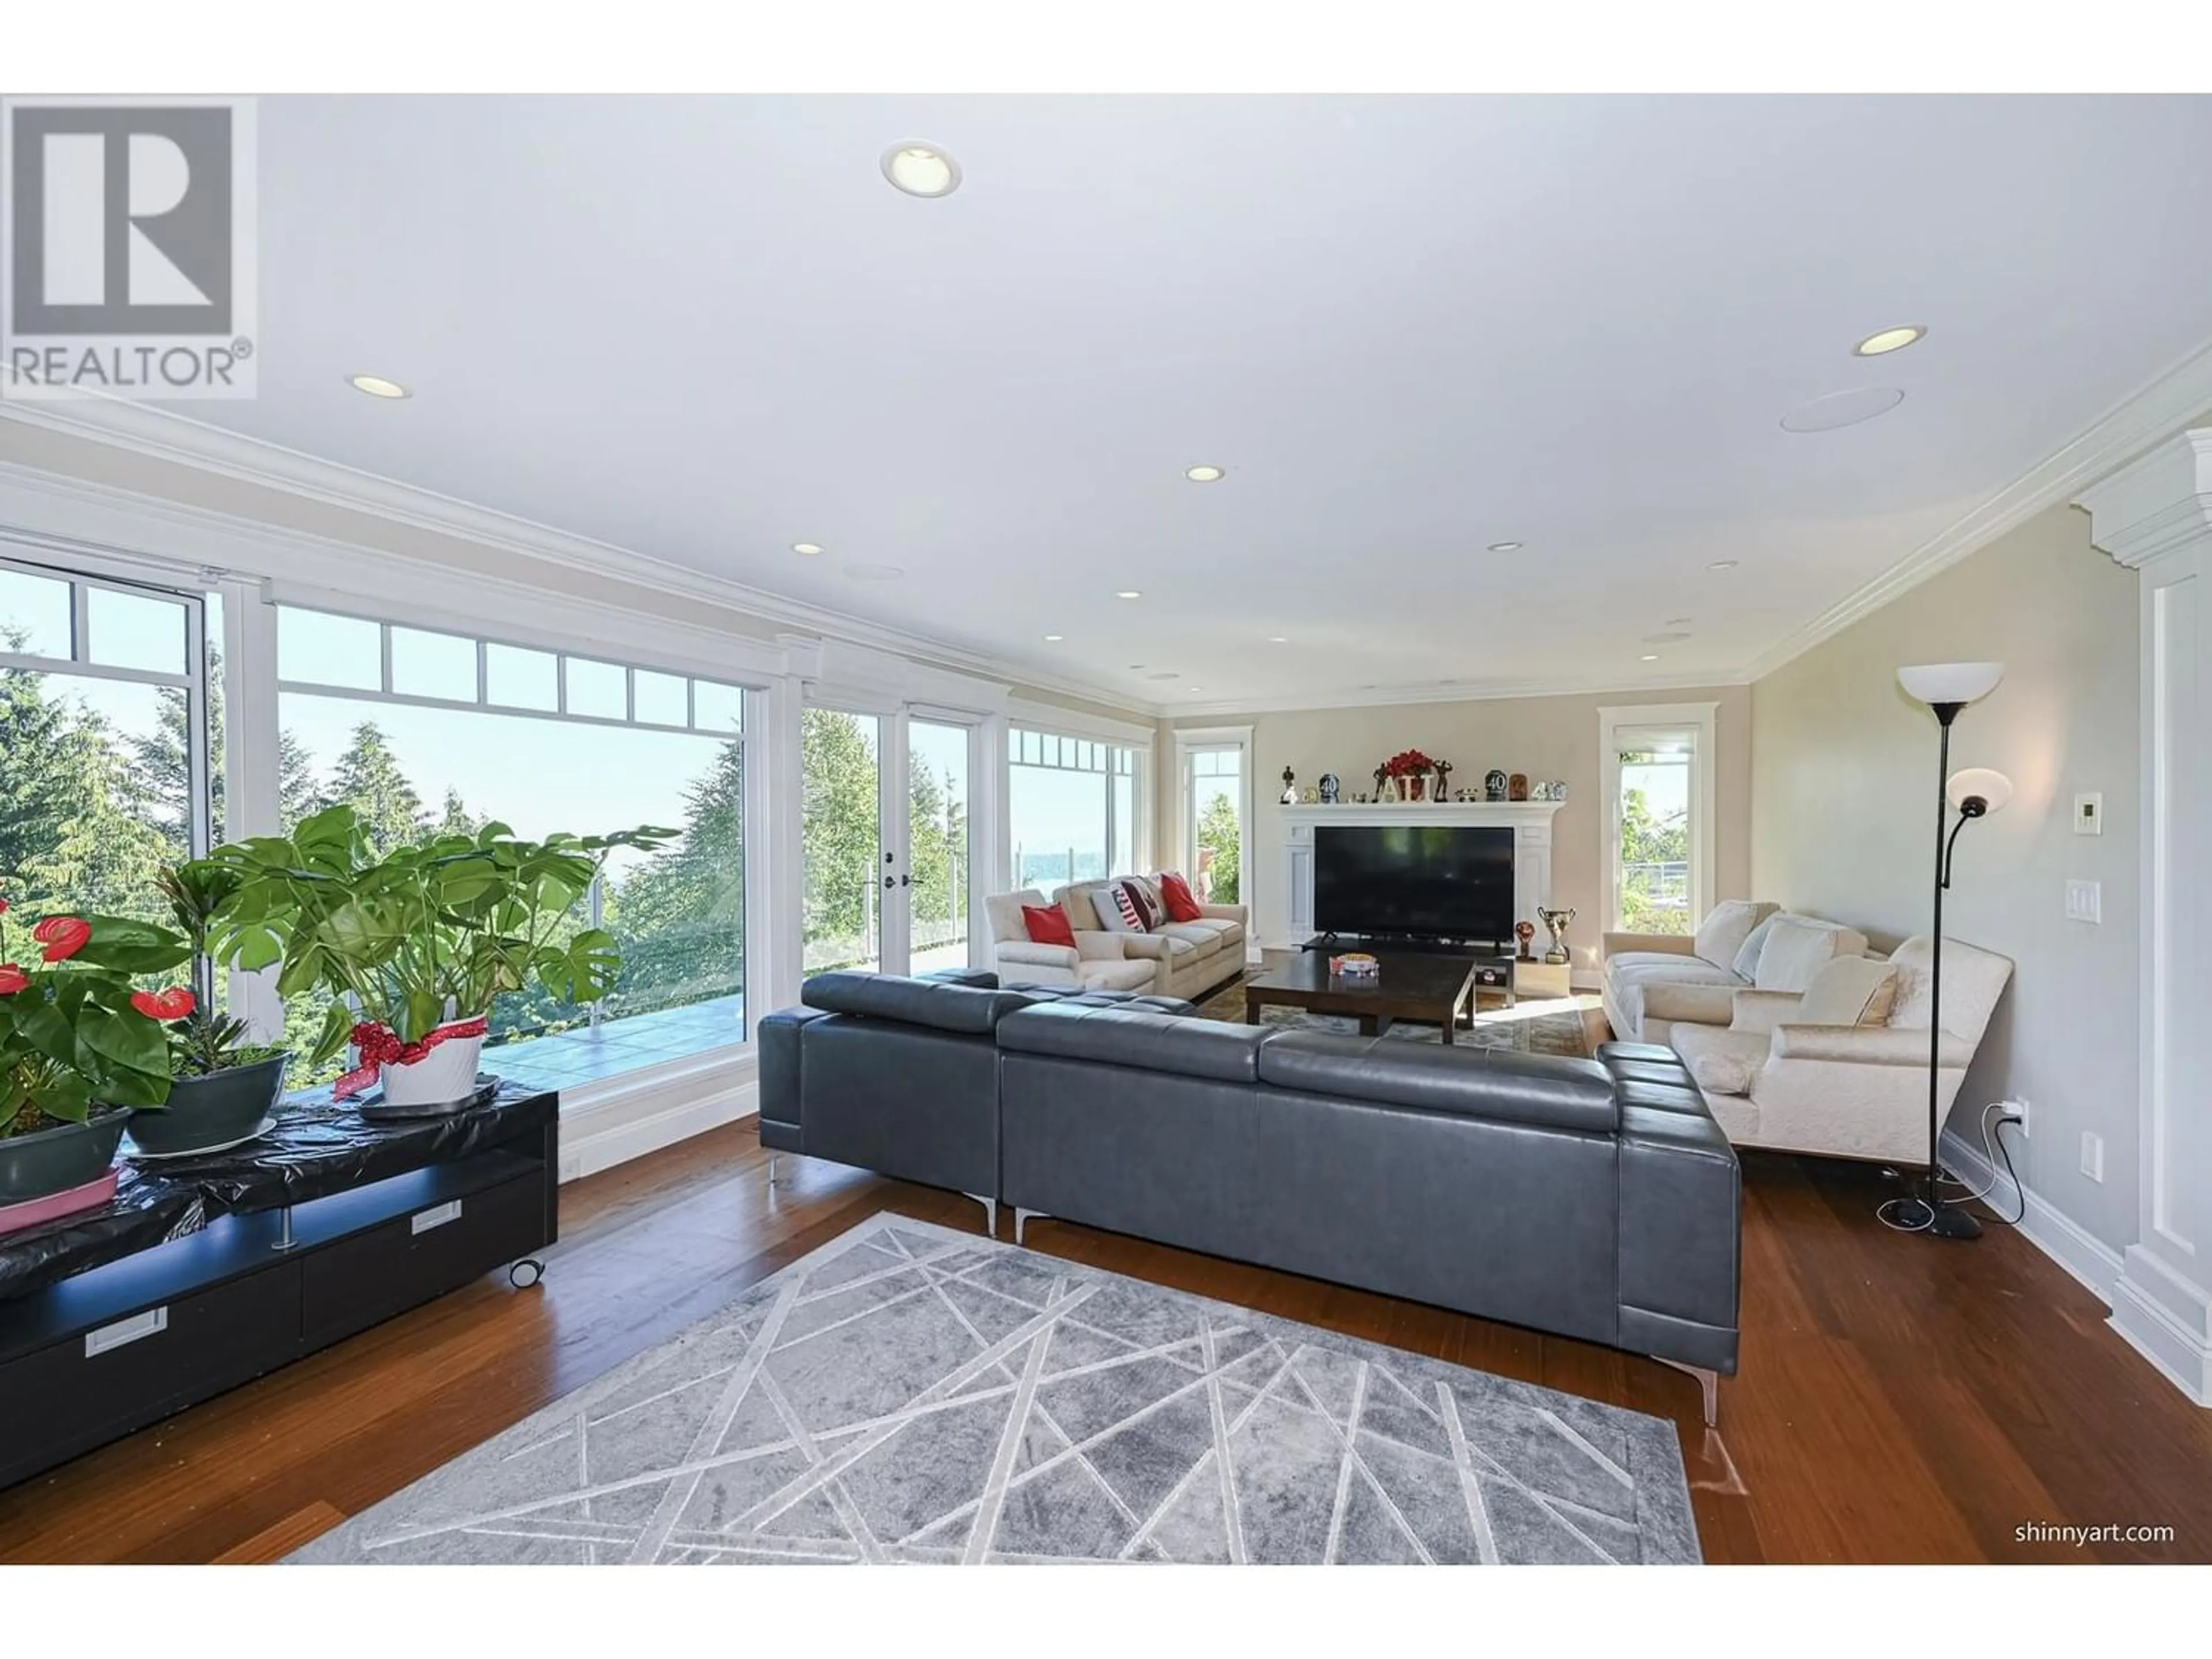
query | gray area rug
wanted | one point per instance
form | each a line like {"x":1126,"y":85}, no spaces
{"x":908,"y":1393}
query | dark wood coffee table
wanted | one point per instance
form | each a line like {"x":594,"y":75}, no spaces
{"x":1433,"y":990}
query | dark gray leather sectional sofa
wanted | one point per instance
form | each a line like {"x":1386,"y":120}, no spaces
{"x":1597,"y":1199}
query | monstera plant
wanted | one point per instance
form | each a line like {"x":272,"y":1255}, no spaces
{"x":416,"y":943}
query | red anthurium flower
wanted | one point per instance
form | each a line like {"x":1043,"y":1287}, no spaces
{"x":62,"y":936}
{"x":12,"y":979}
{"x":4,"y":907}
{"x":173,"y":1004}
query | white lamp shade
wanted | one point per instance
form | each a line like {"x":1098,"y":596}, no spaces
{"x":1994,"y":787}
{"x":1951,"y":682}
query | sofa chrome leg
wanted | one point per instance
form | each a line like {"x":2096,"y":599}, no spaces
{"x":771,"y":1168}
{"x":990,"y":1212}
{"x":1022,"y":1218}
{"x":1709,"y":1382}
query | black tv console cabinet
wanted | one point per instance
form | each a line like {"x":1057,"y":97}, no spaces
{"x":380,"y":1218}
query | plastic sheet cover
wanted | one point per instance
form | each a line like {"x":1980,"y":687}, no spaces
{"x":317,"y":1147}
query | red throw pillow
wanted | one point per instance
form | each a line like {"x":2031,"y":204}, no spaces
{"x":1048,"y":925}
{"x":1181,"y":906}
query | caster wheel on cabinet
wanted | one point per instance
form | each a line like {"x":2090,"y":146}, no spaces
{"x":525,"y":1273}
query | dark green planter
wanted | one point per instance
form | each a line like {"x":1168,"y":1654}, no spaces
{"x":54,"y":1160}
{"x":218,"y":1109}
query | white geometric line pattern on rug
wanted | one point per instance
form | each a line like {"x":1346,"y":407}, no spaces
{"x":1061,"y":1414}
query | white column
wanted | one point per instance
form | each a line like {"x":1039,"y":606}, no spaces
{"x":2156,"y":517}
{"x":251,"y":749}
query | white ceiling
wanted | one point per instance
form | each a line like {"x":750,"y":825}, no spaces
{"x":705,"y":328}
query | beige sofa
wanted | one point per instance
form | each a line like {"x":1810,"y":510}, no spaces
{"x":1655,"y":981}
{"x":1845,"y":1090}
{"x":1188,"y":959}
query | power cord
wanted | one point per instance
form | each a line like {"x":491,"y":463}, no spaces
{"x":1992,"y":1149}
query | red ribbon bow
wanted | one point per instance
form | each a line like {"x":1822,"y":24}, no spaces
{"x":379,"y":1046}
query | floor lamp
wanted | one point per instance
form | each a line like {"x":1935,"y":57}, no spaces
{"x":1946,"y":687}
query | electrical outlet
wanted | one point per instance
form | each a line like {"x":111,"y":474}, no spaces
{"x":2089,"y":815}
{"x":2085,"y":901}
{"x":2017,"y":1109}
{"x":2093,"y":1156}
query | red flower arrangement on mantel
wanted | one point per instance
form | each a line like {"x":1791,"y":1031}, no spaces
{"x":1412,"y":763}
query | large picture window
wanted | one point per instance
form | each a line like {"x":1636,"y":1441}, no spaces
{"x":421,"y":732}
{"x":1072,"y":809}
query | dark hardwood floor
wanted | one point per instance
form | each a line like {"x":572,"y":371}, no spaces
{"x":1900,"y":1400}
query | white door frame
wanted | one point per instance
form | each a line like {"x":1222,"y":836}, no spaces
{"x":1702,"y":717}
{"x":1188,"y":738}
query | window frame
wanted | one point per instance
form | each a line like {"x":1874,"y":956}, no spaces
{"x":751,"y":708}
{"x":1190,"y":741}
{"x":1701,"y":718}
{"x":1109,"y":751}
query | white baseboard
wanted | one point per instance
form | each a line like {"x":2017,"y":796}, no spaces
{"x":2153,"y":1329}
{"x":2085,"y":1257}
{"x":609,"y":1124}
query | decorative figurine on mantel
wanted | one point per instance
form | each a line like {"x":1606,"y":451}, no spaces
{"x":1442,"y":791}
{"x":1493,"y":785}
{"x":1329,"y":788}
{"x":1381,"y":773}
{"x":1517,"y":787}
{"x":1290,"y":787}
{"x":1524,"y":931}
{"x":1557,"y":921}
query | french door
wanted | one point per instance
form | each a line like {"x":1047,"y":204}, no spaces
{"x":885,"y":831}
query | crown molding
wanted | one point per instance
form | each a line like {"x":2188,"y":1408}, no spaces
{"x":2117,"y":436}
{"x":2154,"y":505}
{"x":160,"y":434}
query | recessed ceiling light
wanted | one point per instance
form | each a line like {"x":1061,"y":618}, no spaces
{"x":377,"y":386}
{"x":1198,"y":687}
{"x":1722,"y":564}
{"x":873,"y":572}
{"x":1164,"y":674}
{"x":1204,"y":474}
{"x":1842,"y":408}
{"x":1890,"y":339}
{"x":1053,"y":639}
{"x":807,"y":549}
{"x":1277,"y":639}
{"x":921,"y":169}
{"x":1127,"y":593}
{"x":1651,"y":656}
{"x":1505,"y":547}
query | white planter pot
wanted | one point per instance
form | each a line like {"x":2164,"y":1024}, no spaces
{"x":445,"y":1074}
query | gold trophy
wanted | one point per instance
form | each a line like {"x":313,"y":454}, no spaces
{"x":1557,"y":921}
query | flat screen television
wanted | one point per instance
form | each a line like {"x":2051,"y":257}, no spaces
{"x":1446,"y":881}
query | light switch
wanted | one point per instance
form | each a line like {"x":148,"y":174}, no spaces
{"x":2089,"y":814}
{"x":2085,"y":901}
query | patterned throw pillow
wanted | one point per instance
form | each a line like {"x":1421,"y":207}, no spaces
{"x":1132,"y":918}
{"x":1146,"y":905}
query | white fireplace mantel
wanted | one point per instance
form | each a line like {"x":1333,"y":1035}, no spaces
{"x":1529,"y":820}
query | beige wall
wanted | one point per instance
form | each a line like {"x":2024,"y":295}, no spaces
{"x":1543,"y":737}
{"x":1844,"y":766}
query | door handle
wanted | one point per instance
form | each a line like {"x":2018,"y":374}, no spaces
{"x":888,"y":882}
{"x":906,"y":881}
